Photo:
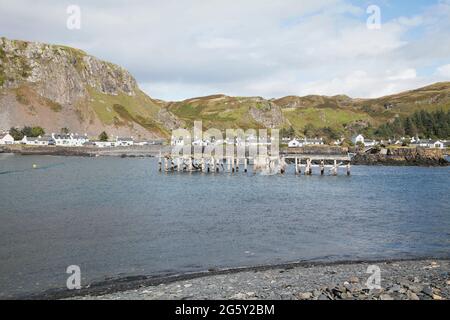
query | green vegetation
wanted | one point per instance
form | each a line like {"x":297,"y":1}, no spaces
{"x":219,"y":112}
{"x":123,"y":109}
{"x":424,"y":124}
{"x":103,"y":136}
{"x":18,"y":134}
{"x":55,"y":106}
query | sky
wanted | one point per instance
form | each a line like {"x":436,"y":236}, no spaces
{"x":183,"y":49}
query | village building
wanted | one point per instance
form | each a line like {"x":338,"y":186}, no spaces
{"x":6,"y":138}
{"x":104,"y":144}
{"x":358,"y":139}
{"x":297,"y":143}
{"x":124,"y":142}
{"x":69,"y":140}
{"x":45,"y":140}
{"x":428,"y":143}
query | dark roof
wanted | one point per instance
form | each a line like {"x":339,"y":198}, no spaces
{"x":62,"y":136}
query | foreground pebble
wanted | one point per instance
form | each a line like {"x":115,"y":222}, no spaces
{"x":406,"y":280}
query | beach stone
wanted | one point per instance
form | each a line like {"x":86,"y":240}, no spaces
{"x":412,"y":296}
{"x":239,"y":296}
{"x":323,"y":297}
{"x":395,"y":288}
{"x":436,"y":297}
{"x":428,"y":291}
{"x":385,"y":296}
{"x":354,"y":280}
{"x":305,"y":295}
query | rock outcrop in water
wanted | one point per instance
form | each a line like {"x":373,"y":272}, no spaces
{"x":402,"y":156}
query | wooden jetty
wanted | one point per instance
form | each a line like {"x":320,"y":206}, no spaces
{"x":303,"y":163}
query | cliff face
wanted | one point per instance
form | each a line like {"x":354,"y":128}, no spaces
{"x":56,"y":86}
{"x":60,"y":87}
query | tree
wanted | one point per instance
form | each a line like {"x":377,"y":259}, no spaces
{"x":16,"y":133}
{"x":65,"y":130}
{"x":287,"y":133}
{"x":103,"y":136}
{"x":309,"y":130}
{"x":37,"y":131}
{"x":410,"y":128}
{"x":27,"y":131}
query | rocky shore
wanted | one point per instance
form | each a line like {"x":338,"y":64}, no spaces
{"x":402,"y":157}
{"x":400,"y":280}
{"x":133,"y":151}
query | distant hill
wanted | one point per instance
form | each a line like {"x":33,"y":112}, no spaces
{"x":56,"y":86}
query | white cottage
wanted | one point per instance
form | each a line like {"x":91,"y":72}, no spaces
{"x":358,"y":139}
{"x":69,"y":140}
{"x":294,"y":143}
{"x":38,"y":141}
{"x":6,"y":138}
{"x":124,"y":142}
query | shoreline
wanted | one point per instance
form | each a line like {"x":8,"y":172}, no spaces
{"x":419,"y":158}
{"x":304,"y":280}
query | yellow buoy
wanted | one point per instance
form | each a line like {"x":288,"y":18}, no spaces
{"x":34,"y":166}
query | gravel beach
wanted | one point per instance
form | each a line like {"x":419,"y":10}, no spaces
{"x":400,"y":280}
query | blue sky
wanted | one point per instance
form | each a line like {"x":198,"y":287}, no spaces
{"x":180,"y":49}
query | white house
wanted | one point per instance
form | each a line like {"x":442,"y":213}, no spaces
{"x":304,"y":142}
{"x":6,"y":138}
{"x":428,"y":143}
{"x":358,"y":139}
{"x":124,"y":142}
{"x":294,"y":143}
{"x":177,"y":141}
{"x":311,"y":142}
{"x":38,"y":141}
{"x":370,"y":143}
{"x":69,"y":140}
{"x":104,"y":144}
{"x":439,"y":144}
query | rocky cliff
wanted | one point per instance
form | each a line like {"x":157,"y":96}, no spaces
{"x":60,"y":87}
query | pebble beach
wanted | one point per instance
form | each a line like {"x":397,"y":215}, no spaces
{"x":400,"y":280}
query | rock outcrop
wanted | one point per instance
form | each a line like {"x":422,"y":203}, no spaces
{"x":56,"y":86}
{"x":403,"y":156}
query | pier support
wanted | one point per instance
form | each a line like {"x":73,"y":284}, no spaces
{"x":245,"y":165}
{"x":322,"y":168}
{"x":334,"y":170}
{"x":348,"y":168}
{"x":160,"y":162}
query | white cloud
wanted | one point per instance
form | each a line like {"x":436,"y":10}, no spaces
{"x":180,"y":49}
{"x":444,"y":71}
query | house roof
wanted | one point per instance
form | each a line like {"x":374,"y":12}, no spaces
{"x":124,"y":139}
{"x":2,"y":135}
{"x":62,"y":136}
